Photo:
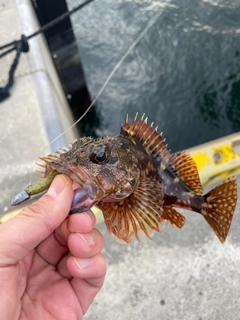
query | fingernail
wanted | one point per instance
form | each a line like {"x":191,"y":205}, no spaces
{"x":87,"y":238}
{"x":57,"y":186}
{"x":82,"y":263}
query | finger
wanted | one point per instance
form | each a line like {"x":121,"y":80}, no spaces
{"x":88,"y":278}
{"x":62,"y":267}
{"x":81,"y":222}
{"x":91,"y":269}
{"x":36,"y":222}
{"x":85,"y":245}
{"x":92,"y":272}
{"x":78,"y":222}
{"x":52,"y":249}
{"x":81,"y":246}
{"x":56,"y":245}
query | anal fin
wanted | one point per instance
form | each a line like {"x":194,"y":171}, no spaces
{"x":176,"y":219}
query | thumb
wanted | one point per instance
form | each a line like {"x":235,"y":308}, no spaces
{"x":36,"y":222}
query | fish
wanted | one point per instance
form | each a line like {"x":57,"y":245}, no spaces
{"x":137,"y":182}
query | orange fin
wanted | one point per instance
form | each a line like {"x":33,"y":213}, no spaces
{"x":41,"y":174}
{"x":186,"y":169}
{"x":219,"y":207}
{"x":176,"y":219}
{"x":152,"y":142}
{"x":142,"y":210}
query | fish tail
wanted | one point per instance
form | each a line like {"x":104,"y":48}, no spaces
{"x":219,"y":207}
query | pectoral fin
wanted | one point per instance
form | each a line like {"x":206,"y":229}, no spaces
{"x":142,"y":210}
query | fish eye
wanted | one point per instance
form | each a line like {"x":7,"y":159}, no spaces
{"x":100,"y":155}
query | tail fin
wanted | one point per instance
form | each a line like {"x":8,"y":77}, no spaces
{"x":219,"y":207}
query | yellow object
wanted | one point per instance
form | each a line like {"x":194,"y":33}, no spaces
{"x":7,"y":216}
{"x":98,"y":214}
{"x":217,"y":160}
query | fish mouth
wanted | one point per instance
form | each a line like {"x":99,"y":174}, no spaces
{"x":86,"y":190}
{"x":89,"y":191}
{"x":84,"y":198}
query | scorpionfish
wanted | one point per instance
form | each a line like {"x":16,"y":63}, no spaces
{"x":137,"y":183}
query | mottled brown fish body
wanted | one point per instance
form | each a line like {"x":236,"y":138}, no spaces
{"x":137,"y":182}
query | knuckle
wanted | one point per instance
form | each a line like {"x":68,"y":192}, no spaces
{"x":39,"y":207}
{"x":38,"y":211}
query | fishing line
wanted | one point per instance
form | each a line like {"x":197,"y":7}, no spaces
{"x":117,"y":66}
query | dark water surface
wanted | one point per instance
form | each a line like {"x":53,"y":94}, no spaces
{"x":184,"y":74}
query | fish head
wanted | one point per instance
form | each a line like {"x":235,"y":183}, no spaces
{"x":105,"y":168}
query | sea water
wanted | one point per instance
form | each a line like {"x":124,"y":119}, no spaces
{"x":184,"y":73}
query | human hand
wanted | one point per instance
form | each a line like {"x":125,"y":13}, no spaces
{"x":50,"y":263}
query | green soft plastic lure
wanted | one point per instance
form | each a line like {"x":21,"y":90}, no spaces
{"x":37,"y":188}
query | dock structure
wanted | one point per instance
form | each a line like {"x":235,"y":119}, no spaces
{"x":36,"y":111}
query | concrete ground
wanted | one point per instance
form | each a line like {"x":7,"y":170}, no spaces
{"x":182,"y":274}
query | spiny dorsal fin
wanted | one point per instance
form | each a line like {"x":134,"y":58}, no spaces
{"x":142,"y":210}
{"x":146,"y":135}
{"x":186,"y":170}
